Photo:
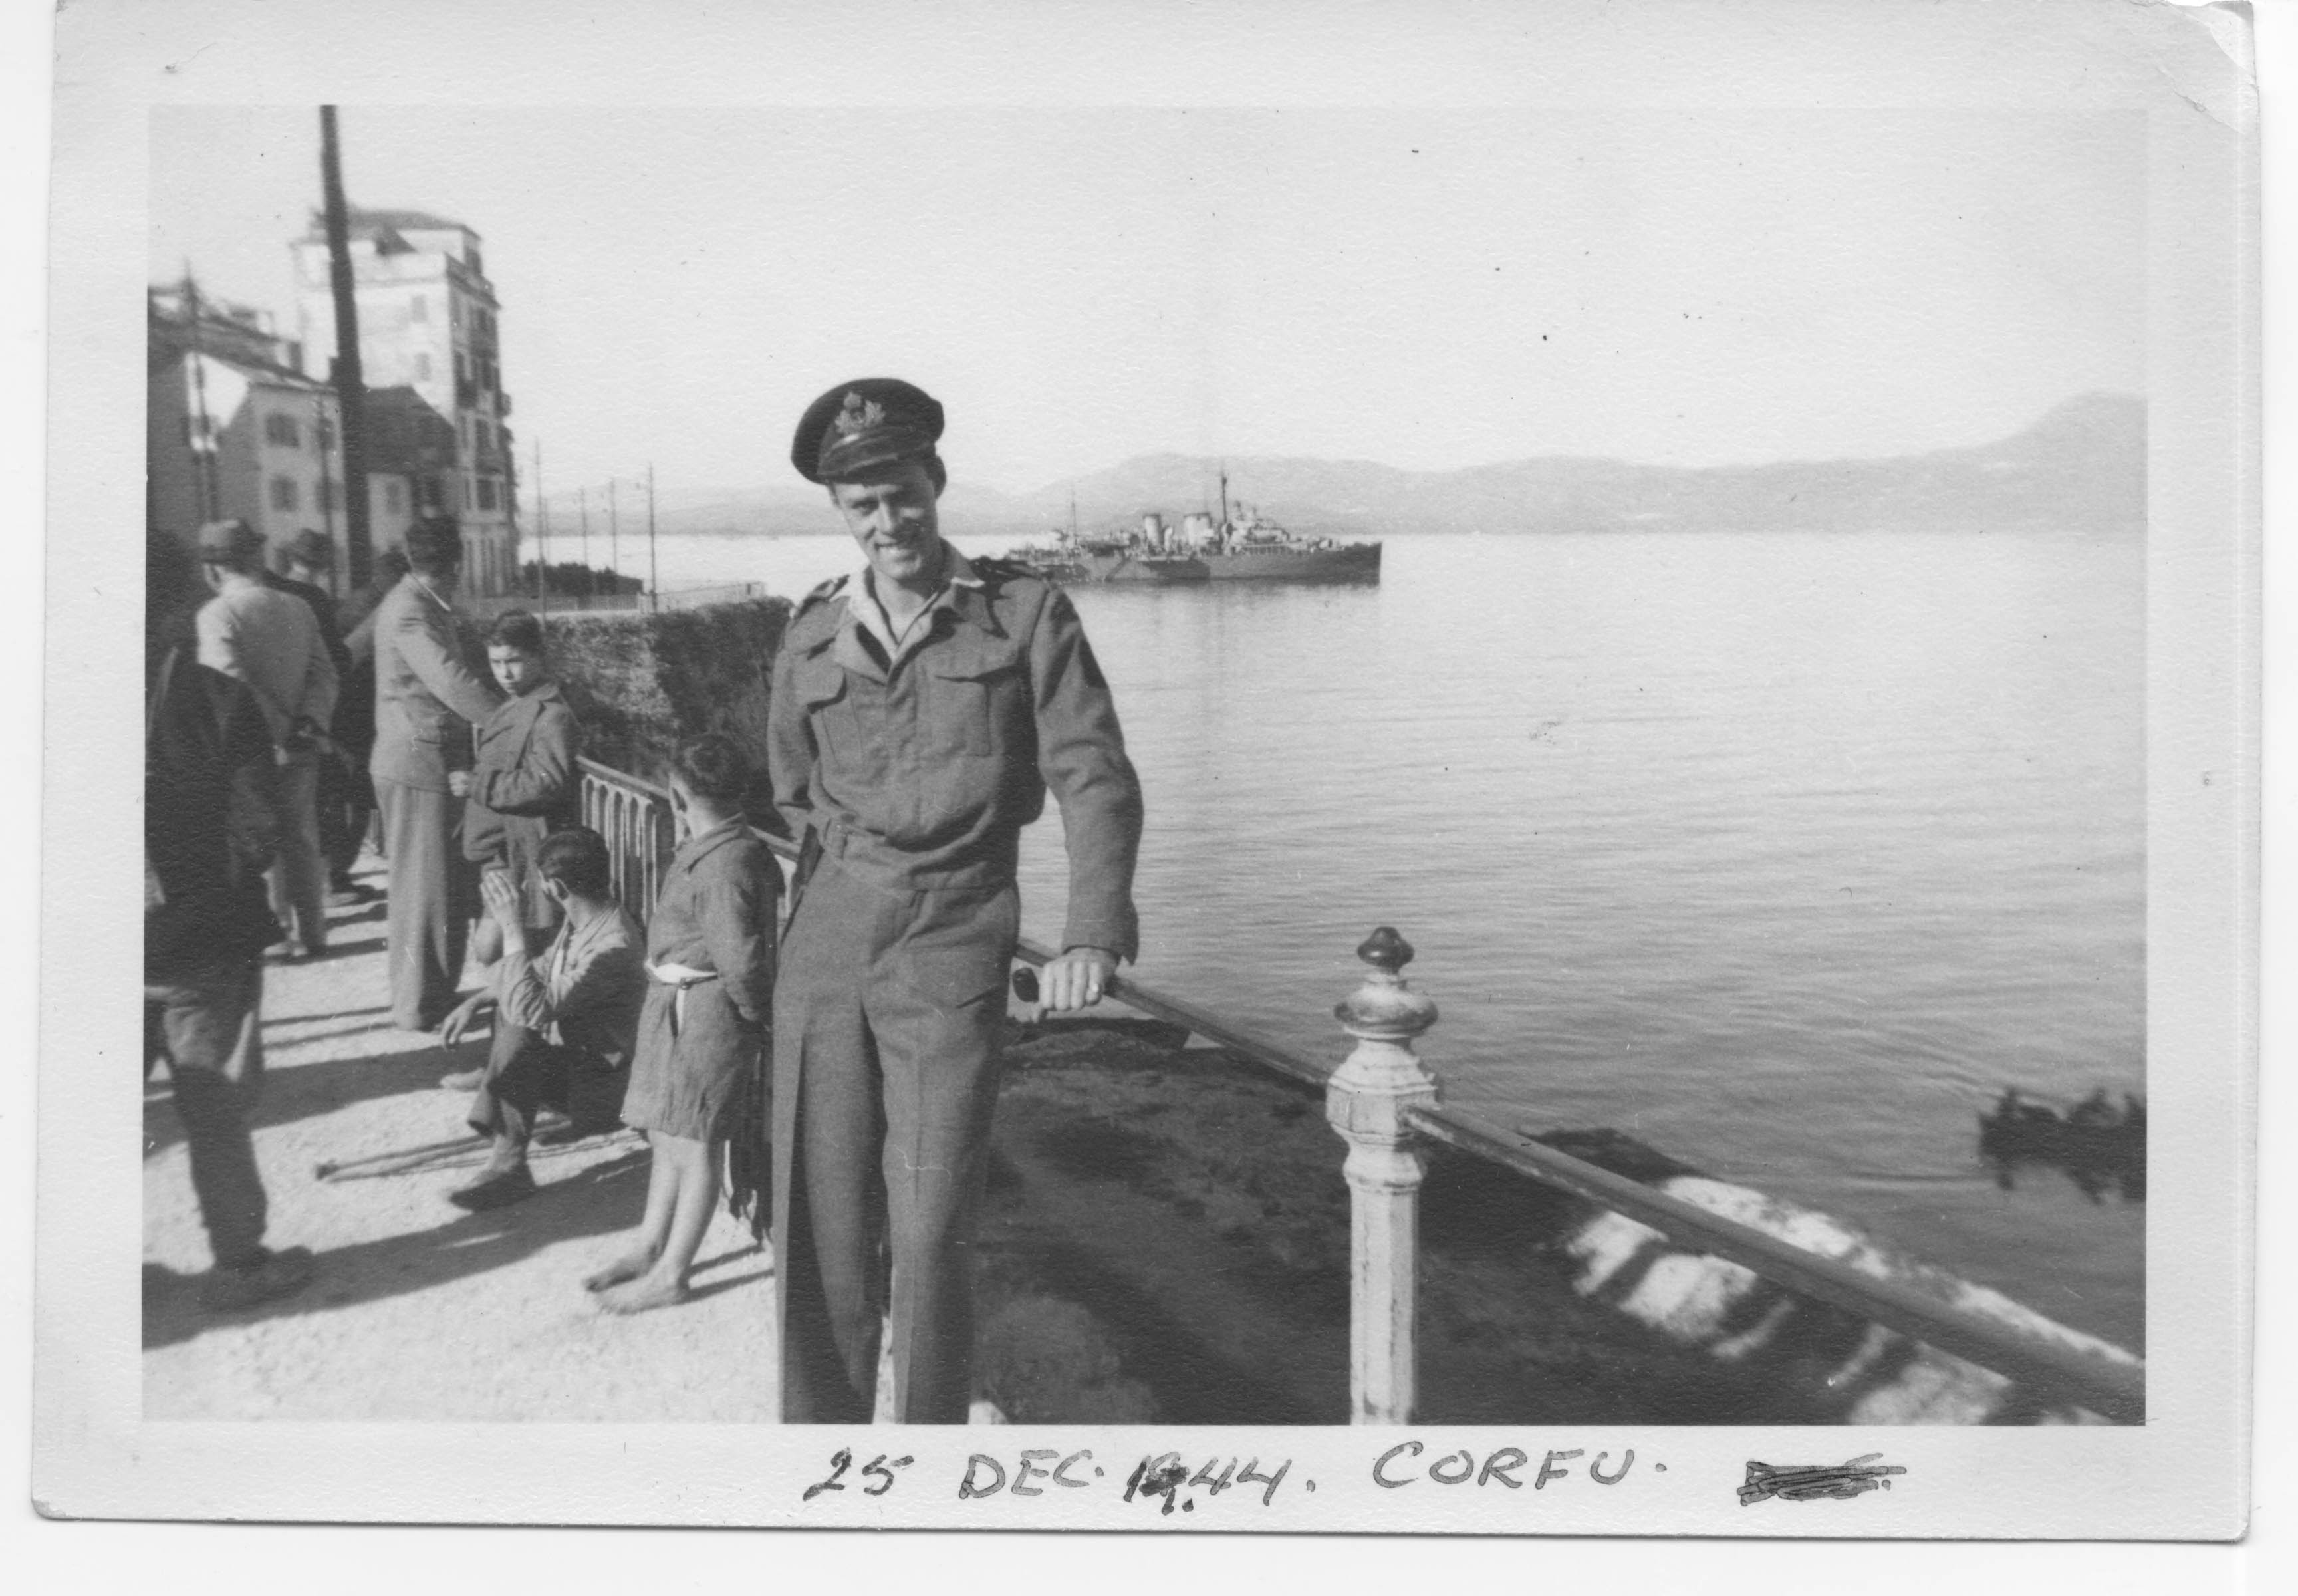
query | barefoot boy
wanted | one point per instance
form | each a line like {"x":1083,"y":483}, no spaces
{"x":710,"y":949}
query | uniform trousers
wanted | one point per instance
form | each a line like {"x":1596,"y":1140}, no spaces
{"x":206,"y":1022}
{"x":434,"y":898}
{"x":888,"y":1012}
{"x":525,"y":1073}
{"x":299,"y":875}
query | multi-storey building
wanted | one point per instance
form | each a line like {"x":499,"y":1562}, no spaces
{"x":234,"y":426}
{"x":428,"y":328}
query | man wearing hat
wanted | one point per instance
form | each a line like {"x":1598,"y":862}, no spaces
{"x":345,"y":797}
{"x":920,"y":710}
{"x":272,"y":641}
{"x":426,"y":699}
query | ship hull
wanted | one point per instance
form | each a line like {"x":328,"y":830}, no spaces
{"x":1134,"y":567}
{"x":1352,"y":562}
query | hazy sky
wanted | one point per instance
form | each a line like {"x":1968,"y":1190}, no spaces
{"x":1427,"y":290}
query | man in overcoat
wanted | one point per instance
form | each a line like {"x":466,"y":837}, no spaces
{"x":272,"y":642}
{"x":426,"y":699}
{"x":920,"y":712}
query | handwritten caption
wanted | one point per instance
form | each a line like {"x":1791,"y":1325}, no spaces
{"x":1168,"y":1483}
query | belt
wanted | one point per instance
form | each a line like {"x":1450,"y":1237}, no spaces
{"x":678,"y":978}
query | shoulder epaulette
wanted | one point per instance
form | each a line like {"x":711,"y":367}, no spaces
{"x":822,"y":594}
{"x":997,"y":568}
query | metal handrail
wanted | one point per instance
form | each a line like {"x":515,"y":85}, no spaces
{"x":2116,"y":1391}
{"x":2113,"y":1390}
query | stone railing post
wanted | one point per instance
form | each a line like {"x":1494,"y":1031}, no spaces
{"x":1366,"y":1100}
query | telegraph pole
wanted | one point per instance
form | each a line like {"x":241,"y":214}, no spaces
{"x":205,"y":442}
{"x":350,"y":381}
{"x":653,"y":568}
{"x":542,"y":537}
{"x":583,"y":509}
{"x":613,"y":541}
{"x":327,"y":475}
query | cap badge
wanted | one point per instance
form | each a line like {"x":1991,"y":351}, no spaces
{"x":858,"y":415}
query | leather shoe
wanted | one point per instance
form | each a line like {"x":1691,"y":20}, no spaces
{"x":495,"y":1189}
{"x":276,"y":1274}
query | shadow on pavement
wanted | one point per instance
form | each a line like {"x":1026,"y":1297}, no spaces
{"x":301,"y":1091}
{"x":602,"y":1198}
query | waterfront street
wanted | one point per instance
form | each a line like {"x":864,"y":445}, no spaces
{"x":1164,"y":1239}
{"x":418,"y":1310}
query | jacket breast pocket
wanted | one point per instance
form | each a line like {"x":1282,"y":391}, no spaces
{"x":822,"y":689}
{"x":974,"y":697}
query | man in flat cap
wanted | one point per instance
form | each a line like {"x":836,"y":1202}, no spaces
{"x":272,"y":641}
{"x":920,"y":712}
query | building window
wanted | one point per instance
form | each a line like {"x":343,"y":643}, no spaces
{"x":418,"y":309}
{"x":486,"y":492}
{"x":281,"y":430}
{"x":468,"y":496}
{"x":283,"y":493}
{"x":394,"y":497}
{"x":324,"y":434}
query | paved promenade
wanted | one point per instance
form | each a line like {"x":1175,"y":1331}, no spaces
{"x":1164,"y":1240}
{"x":420,"y":1311}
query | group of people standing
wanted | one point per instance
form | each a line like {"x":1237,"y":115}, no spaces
{"x":846,"y":1073}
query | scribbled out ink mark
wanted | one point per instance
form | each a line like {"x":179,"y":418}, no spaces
{"x":1804,"y":1484}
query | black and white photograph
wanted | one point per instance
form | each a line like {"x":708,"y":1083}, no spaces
{"x":1237,"y":797}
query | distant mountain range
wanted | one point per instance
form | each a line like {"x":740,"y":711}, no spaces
{"x":2081,"y":467}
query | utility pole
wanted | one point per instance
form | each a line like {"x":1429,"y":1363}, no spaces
{"x":583,"y":509}
{"x":205,"y":442}
{"x":653,"y":568}
{"x":614,"y":542}
{"x":542,"y":537}
{"x":350,"y":381}
{"x":322,"y":433}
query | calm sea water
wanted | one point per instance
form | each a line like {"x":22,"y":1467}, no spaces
{"x":1782,"y":852}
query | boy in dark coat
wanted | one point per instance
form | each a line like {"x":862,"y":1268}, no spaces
{"x":707,"y":1021}
{"x":524,"y":783}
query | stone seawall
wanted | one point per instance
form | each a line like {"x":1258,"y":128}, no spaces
{"x":644,"y":682}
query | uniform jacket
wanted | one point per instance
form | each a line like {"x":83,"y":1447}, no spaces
{"x":715,"y":911}
{"x":919,"y":772}
{"x":592,"y":995}
{"x":427,"y":697}
{"x":272,"y":641}
{"x":523,"y":781}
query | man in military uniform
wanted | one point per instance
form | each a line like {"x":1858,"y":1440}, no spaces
{"x":920,"y":712}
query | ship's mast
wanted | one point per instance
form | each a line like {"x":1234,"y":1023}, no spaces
{"x":1224,"y":486}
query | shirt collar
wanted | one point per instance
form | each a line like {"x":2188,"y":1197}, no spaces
{"x":959,"y":593}
{"x":703,"y":842}
{"x":424,"y":589}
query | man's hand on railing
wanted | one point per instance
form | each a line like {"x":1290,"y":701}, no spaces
{"x":1077,"y":979}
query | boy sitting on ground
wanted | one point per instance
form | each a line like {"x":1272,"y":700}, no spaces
{"x":568,"y":1023}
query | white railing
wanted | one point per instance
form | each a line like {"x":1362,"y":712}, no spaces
{"x":1387,"y":1105}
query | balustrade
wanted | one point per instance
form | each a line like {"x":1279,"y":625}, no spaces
{"x":1386,"y":1105}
